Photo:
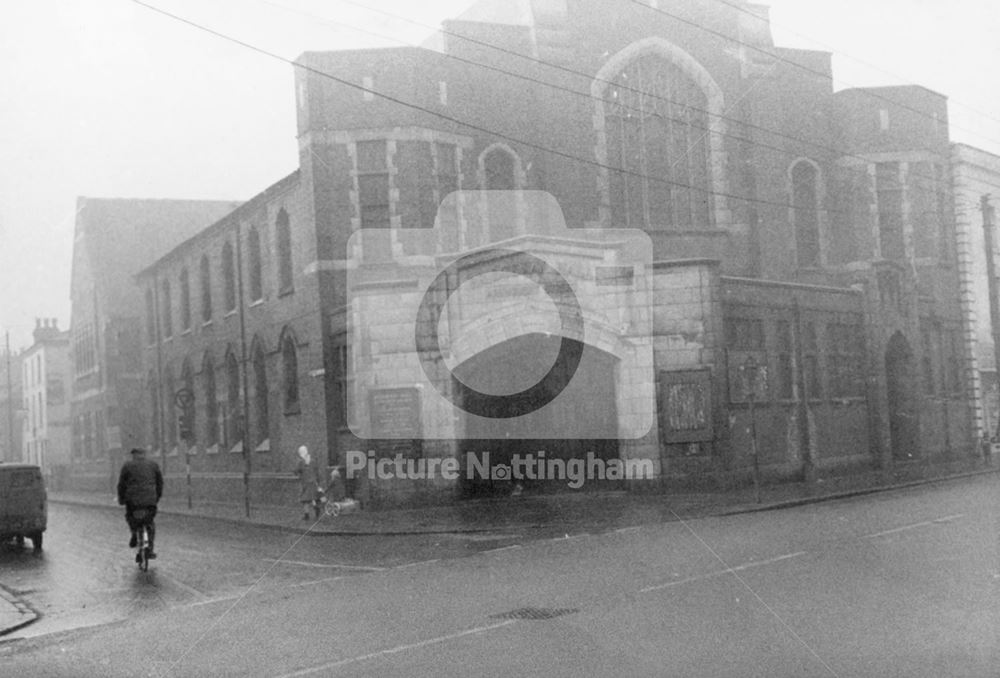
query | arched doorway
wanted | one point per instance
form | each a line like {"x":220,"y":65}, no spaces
{"x":586,"y":407}
{"x":901,"y":396}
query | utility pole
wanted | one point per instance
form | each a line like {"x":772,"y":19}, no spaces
{"x":243,"y":363}
{"x":989,"y":230}
{"x":10,"y":405}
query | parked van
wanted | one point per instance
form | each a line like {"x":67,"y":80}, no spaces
{"x":23,"y":504}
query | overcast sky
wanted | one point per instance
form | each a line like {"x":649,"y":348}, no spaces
{"x":106,"y":98}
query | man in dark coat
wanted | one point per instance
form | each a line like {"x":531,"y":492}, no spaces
{"x":140,"y":486}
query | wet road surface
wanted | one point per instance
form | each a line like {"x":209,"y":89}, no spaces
{"x":86,"y":574}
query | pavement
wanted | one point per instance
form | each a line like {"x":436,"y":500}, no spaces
{"x":14,"y":613}
{"x":569,"y":511}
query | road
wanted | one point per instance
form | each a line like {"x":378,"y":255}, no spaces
{"x":86,"y":575}
{"x":902,"y":583}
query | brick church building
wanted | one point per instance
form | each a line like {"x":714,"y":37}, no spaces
{"x":803,"y":249}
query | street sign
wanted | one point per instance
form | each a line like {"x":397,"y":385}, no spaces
{"x":184,"y":398}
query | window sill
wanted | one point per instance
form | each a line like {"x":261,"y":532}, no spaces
{"x":293,"y":410}
{"x":257,"y":302}
{"x":265,"y":446}
{"x":237,"y":448}
{"x":186,"y":332}
{"x":848,"y":400}
{"x":212,"y":449}
{"x":230,"y":313}
{"x":207,"y":323}
{"x":286,"y":292}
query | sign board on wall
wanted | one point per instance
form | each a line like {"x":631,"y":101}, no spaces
{"x":685,"y":405}
{"x":394,"y":413}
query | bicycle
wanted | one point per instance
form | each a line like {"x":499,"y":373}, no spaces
{"x":142,"y":538}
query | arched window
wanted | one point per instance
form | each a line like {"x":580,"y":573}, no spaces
{"x":805,"y":203}
{"x":290,"y":374}
{"x":188,"y":414}
{"x":185,"y":300}
{"x":168,"y":330}
{"x":260,"y":411}
{"x":658,"y":143}
{"x":234,"y":411}
{"x":283,"y":233}
{"x":253,"y":254}
{"x":150,"y":318}
{"x":206,"y":289}
{"x":154,"y":411}
{"x":229,"y":276}
{"x":211,"y":405}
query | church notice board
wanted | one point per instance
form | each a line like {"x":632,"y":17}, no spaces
{"x":685,"y":405}
{"x":395,"y":420}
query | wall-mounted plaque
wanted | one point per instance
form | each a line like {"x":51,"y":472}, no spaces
{"x":685,"y":405}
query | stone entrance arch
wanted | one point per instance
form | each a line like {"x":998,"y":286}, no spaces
{"x":901,"y":397}
{"x":587,"y":406}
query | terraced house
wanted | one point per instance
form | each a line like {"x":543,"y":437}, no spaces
{"x":804,"y":251}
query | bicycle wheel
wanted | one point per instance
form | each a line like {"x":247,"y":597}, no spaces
{"x":143,"y":558}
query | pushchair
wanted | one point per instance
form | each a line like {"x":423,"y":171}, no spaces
{"x":323,"y":503}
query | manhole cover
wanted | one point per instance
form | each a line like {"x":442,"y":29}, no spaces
{"x":535,"y":613}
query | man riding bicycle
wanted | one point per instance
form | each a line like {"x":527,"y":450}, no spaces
{"x":140,"y":486}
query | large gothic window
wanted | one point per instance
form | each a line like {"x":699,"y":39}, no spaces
{"x":806,"y":216}
{"x":657,"y":129}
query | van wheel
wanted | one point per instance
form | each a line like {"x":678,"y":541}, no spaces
{"x":36,"y":540}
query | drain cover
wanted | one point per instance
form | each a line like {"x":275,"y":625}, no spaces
{"x":535,"y":613}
